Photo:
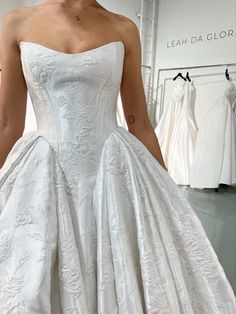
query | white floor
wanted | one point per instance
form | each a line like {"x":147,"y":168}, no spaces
{"x":217,"y":213}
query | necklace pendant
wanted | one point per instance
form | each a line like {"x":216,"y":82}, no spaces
{"x":77,"y":18}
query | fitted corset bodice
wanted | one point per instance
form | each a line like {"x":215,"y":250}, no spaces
{"x":74,"y":96}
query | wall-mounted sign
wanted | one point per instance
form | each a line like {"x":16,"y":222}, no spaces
{"x":194,"y":40}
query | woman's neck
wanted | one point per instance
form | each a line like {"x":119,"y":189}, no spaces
{"x":74,"y":3}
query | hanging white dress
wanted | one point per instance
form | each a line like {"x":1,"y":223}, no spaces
{"x":167,"y":122}
{"x":183,"y":139}
{"x":215,"y":154}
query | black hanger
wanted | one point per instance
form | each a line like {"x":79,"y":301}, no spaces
{"x":227,"y":74}
{"x":187,"y":77}
{"x":179,"y":75}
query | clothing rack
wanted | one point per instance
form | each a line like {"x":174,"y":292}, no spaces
{"x":188,"y":68}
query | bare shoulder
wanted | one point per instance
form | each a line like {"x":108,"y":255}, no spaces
{"x":11,"y":17}
{"x":20,"y":15}
{"x":17,"y":14}
{"x":128,"y":28}
{"x":13,"y":20}
{"x":125,"y":24}
{"x":129,"y":32}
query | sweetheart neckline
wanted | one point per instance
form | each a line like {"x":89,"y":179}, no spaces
{"x":72,"y":54}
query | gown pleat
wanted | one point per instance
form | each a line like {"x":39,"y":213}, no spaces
{"x":152,"y":251}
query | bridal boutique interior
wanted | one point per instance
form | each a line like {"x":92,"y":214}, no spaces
{"x":189,"y":76}
{"x":190,"y":81}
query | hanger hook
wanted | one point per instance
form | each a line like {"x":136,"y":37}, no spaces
{"x":227,"y":72}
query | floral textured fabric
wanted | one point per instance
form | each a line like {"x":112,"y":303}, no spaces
{"x":89,"y":220}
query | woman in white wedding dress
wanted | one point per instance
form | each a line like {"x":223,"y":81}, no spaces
{"x":90,"y":221}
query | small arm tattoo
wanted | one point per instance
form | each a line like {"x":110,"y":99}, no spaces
{"x":131,"y":119}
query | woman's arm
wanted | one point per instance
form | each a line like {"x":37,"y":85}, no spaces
{"x":133,"y":95}
{"x":13,"y":90}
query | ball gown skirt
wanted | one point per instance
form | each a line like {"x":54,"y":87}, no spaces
{"x":89,"y":220}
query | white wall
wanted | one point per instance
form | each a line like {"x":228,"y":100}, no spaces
{"x":184,"y":19}
{"x":189,"y":34}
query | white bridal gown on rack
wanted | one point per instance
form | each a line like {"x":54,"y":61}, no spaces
{"x":167,"y":122}
{"x":215,"y":155}
{"x":177,"y":132}
{"x":89,"y":220}
{"x":183,"y":139}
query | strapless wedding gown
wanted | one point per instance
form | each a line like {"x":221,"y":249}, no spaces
{"x":165,"y":126}
{"x":183,"y":139}
{"x":215,"y":154}
{"x":89,"y":220}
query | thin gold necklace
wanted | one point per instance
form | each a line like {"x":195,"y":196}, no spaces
{"x":77,"y":17}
